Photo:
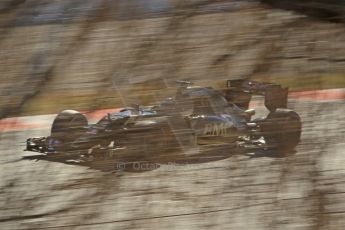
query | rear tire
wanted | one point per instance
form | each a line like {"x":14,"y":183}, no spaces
{"x":283,"y":128}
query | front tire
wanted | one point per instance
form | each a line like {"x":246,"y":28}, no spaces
{"x":68,"y":125}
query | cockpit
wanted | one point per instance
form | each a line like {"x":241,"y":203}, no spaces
{"x":119,"y":118}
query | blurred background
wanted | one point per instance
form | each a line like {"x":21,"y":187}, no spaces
{"x":101,"y":54}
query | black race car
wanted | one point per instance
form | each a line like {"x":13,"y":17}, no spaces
{"x":197,"y":117}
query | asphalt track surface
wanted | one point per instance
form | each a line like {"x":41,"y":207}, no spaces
{"x":303,"y":190}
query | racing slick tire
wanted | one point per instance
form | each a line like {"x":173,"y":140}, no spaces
{"x":283,"y":129}
{"x":68,"y":125}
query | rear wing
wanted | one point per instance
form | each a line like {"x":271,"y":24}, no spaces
{"x":240,"y":91}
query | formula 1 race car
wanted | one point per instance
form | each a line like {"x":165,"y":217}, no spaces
{"x":195,"y":117}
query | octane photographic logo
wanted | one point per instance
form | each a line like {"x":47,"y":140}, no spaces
{"x":148,"y":166}
{"x":136,"y":166}
{"x":120,"y":166}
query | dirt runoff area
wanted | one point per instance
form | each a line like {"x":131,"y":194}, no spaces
{"x":99,"y":58}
